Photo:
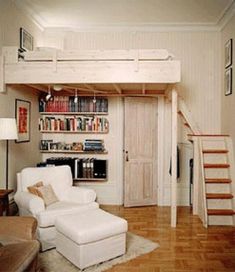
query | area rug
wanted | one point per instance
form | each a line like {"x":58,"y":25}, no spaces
{"x":52,"y":261}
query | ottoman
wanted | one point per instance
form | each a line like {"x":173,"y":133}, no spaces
{"x":91,"y":237}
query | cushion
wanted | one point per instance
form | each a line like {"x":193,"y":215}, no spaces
{"x":90,"y":227}
{"x":47,"y":193}
{"x":34,"y":188}
{"x":48,"y":217}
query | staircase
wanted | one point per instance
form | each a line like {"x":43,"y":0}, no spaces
{"x":215,"y":178}
{"x":218,"y":166}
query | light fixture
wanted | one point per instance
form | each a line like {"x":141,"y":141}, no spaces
{"x":94,"y":98}
{"x":76,"y":97}
{"x":48,"y":96}
{"x":8,"y":131}
{"x":57,"y":87}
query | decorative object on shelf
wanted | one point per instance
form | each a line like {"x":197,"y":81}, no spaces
{"x":228,"y":81}
{"x":44,"y":144}
{"x":228,"y":53}
{"x":22,"y":112}
{"x":8,"y":131}
{"x":26,"y":40}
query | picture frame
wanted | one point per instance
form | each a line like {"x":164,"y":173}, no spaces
{"x":228,"y":81}
{"x":22,"y":114}
{"x":26,"y":40}
{"x":228,"y":53}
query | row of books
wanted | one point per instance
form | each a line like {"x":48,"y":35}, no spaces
{"x":83,"y":123}
{"x":93,"y":145}
{"x":81,"y":168}
{"x":67,"y":104}
{"x":90,"y":168}
{"x":88,"y":145}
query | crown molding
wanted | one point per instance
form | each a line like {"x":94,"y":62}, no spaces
{"x":30,"y":13}
{"x":224,"y":18}
{"x":228,"y":14}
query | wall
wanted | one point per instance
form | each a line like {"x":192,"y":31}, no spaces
{"x":228,"y":102}
{"x":21,"y":154}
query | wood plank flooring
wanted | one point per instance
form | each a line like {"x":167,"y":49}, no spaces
{"x":189,"y":247}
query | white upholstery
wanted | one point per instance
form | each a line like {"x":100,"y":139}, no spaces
{"x":71,"y":199}
{"x":90,"y":238}
{"x":90,"y":227}
{"x":47,"y":218}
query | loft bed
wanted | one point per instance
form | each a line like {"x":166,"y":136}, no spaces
{"x":106,"y":72}
{"x":112,"y":72}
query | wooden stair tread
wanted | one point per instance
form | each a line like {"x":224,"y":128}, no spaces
{"x":209,"y":135}
{"x":220,"y":212}
{"x":216,"y":165}
{"x":218,"y":196}
{"x":218,"y":180}
{"x":216,"y":151}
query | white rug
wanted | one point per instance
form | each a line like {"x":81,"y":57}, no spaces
{"x":52,"y":261}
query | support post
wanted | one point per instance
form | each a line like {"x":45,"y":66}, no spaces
{"x":174,"y":158}
{"x":196,"y":170}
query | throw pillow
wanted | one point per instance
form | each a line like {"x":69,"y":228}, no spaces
{"x":48,"y":194}
{"x":34,"y":188}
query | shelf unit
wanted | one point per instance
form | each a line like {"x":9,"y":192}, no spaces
{"x":74,"y":152}
{"x":76,"y":129}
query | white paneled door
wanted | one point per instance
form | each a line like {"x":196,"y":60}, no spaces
{"x":140,"y":151}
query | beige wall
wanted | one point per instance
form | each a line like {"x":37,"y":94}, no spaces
{"x":21,"y":154}
{"x":228,"y":102}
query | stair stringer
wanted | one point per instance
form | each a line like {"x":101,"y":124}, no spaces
{"x":202,"y":204}
{"x":229,"y":143}
{"x":188,"y":117}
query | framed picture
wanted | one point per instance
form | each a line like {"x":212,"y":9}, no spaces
{"x":228,"y":53}
{"x":228,"y":81}
{"x":26,"y":40}
{"x":22,"y":112}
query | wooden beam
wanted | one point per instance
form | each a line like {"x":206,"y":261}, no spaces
{"x":117,"y":88}
{"x":174,"y":158}
{"x":38,"y":87}
{"x":143,"y":88}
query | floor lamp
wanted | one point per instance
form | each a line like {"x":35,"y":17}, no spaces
{"x":8,"y":131}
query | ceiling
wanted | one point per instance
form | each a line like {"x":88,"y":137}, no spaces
{"x":100,"y":13}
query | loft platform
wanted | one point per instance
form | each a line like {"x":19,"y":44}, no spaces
{"x":112,"y":72}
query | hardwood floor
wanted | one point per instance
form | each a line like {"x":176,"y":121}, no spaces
{"x":189,"y":247}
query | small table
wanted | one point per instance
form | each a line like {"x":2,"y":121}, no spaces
{"x":4,"y":201}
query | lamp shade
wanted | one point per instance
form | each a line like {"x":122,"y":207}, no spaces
{"x":8,"y":129}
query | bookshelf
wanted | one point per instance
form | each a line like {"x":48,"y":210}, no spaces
{"x":63,"y":116}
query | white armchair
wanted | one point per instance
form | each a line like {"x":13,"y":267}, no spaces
{"x":72,"y":199}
